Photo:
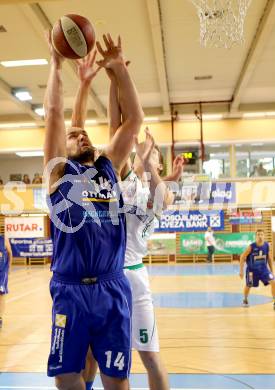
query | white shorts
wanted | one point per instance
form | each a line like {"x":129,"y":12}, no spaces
{"x":144,"y":328}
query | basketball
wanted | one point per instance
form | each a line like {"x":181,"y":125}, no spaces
{"x":73,"y":36}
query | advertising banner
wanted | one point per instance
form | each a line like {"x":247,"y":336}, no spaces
{"x":162,"y":244}
{"x":232,"y":243}
{"x":24,"y":227}
{"x":205,"y":193}
{"x":31,"y":247}
{"x":187,"y":221}
{"x":245,"y":217}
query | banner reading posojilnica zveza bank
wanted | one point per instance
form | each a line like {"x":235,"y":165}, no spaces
{"x":193,"y":220}
{"x":231,"y":244}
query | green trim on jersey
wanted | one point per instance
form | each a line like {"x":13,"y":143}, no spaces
{"x":128,"y":174}
{"x":136,"y":266}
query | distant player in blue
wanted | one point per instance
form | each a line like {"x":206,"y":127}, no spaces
{"x":259,"y":266}
{"x":91,"y":295}
{"x":5,"y":261}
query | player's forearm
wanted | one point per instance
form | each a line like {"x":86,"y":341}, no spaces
{"x":158,"y":189}
{"x":80,"y":105}
{"x":10,"y":258}
{"x":172,"y":177}
{"x":131,"y":109}
{"x":114,"y":108}
{"x":55,"y":136}
{"x":53,"y":99}
{"x":242,"y":261}
{"x":270,"y":263}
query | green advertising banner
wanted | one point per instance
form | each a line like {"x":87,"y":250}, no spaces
{"x":230,"y":244}
{"x":162,"y":244}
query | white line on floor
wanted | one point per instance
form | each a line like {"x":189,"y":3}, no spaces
{"x":16,"y":298}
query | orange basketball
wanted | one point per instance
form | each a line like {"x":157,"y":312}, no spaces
{"x":73,"y":36}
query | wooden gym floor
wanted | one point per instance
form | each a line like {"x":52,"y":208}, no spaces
{"x":202,"y":327}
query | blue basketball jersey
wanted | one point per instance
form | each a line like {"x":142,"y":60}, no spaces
{"x":258,"y":256}
{"x":88,"y":230}
{"x":4,"y":259}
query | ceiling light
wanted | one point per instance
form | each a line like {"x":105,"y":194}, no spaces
{"x":30,"y":153}
{"x":215,"y":146}
{"x":12,"y":64}
{"x":17,"y":125}
{"x":271,"y":113}
{"x":22,"y":94}
{"x":200,"y":78}
{"x":39,"y":111}
{"x":212,"y":116}
{"x":257,"y":144}
{"x":91,"y":122}
{"x":254,"y":115}
{"x":151,"y":119}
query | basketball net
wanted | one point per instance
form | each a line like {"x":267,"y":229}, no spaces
{"x":221,"y":21}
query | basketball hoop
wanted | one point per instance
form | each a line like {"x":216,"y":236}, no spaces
{"x":221,"y":21}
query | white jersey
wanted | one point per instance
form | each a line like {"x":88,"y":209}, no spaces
{"x":209,"y":238}
{"x":139,"y":219}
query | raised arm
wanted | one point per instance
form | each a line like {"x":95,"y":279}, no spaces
{"x":160,"y":194}
{"x":243,"y":258}
{"x":122,"y":142}
{"x":86,"y":73}
{"x":178,"y":165}
{"x":114,"y":109}
{"x":115,"y":118}
{"x":55,"y":135}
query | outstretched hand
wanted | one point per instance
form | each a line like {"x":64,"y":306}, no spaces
{"x":144,"y":149}
{"x":178,"y":166}
{"x":112,"y":56}
{"x":86,"y":67}
{"x":56,"y":57}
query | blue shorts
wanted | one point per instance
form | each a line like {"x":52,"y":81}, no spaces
{"x":4,"y":282}
{"x":96,"y":315}
{"x":255,"y":275}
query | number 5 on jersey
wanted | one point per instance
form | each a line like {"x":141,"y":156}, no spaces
{"x":119,"y":361}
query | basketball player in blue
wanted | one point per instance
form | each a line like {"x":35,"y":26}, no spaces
{"x":141,"y":207}
{"x":5,"y":261}
{"x":91,"y":295}
{"x":259,"y":266}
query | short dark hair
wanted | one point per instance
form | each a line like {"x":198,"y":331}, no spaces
{"x":259,"y":230}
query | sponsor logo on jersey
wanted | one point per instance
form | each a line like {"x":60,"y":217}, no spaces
{"x":60,"y":320}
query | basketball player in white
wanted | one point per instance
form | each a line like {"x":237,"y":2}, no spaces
{"x":141,"y":212}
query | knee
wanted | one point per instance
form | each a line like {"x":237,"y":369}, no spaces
{"x":151,"y":360}
{"x":67,"y":381}
{"x":111,"y":383}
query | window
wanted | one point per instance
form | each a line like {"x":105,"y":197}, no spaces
{"x":217,"y":161}
{"x":255,"y":160}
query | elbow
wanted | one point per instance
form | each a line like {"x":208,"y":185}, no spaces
{"x":53,"y":111}
{"x":136,"y":119}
